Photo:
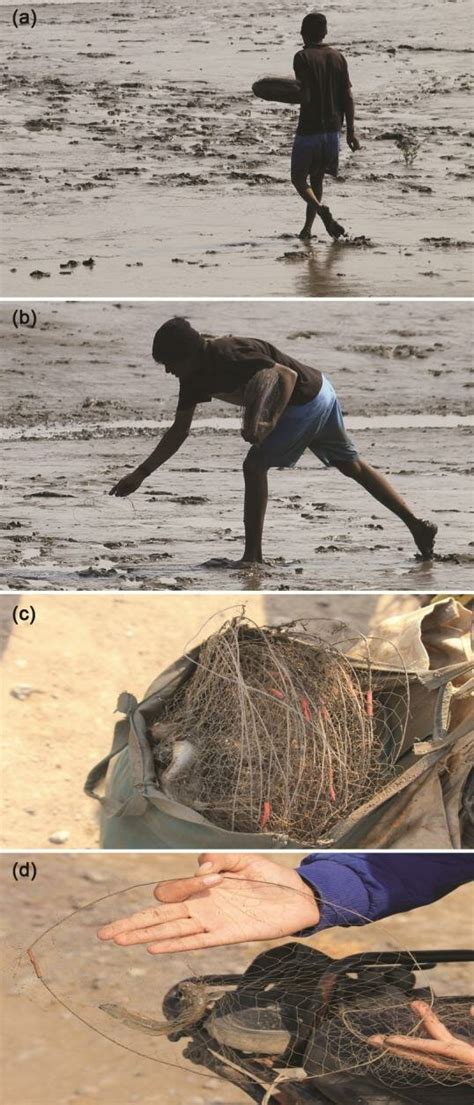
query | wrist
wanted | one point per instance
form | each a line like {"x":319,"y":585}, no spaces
{"x":311,"y":894}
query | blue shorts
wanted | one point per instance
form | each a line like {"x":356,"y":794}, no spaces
{"x":315,"y":154}
{"x":318,"y":425}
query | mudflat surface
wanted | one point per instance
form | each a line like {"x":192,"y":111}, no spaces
{"x":131,"y":141}
{"x":56,"y":1060}
{"x":61,"y":678}
{"x":84,"y":403}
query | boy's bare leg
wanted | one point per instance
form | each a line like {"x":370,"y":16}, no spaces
{"x":317,"y":187}
{"x":307,"y":193}
{"x":378,"y":486}
{"x":255,"y":505}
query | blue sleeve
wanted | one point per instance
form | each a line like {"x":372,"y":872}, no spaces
{"x":354,"y":889}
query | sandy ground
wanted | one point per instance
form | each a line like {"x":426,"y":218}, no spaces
{"x":137,"y":161}
{"x":84,"y":403}
{"x":79,"y":655}
{"x":56,"y":1060}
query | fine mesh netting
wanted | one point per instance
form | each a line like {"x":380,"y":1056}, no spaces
{"x":279,"y":731}
{"x":262,"y":1015}
{"x":388,"y":1012}
{"x":261,"y":401}
{"x":319,"y":1015}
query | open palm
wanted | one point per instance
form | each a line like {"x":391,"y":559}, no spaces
{"x":255,"y":899}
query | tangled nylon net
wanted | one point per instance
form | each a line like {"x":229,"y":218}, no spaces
{"x":283,"y":1016}
{"x":278,"y":732}
{"x":297,"y":1012}
{"x":294,"y":1006}
{"x":389,"y":1013}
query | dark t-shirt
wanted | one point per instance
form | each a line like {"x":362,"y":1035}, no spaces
{"x":324,"y":74}
{"x":227,"y":365}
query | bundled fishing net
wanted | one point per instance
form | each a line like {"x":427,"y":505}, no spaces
{"x":261,"y":400}
{"x":278,"y":731}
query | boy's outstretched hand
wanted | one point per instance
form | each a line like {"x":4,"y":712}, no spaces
{"x":127,"y":485}
{"x":233,"y":898}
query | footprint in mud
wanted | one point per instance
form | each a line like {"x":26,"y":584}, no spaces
{"x":429,"y":563}
{"x":446,"y":243}
{"x":191,"y":500}
{"x":454,"y":558}
{"x":97,"y":573}
{"x":359,"y":242}
{"x":48,"y":495}
{"x":292,"y":255}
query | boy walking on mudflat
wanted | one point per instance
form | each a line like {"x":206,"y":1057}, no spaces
{"x":326,"y":99}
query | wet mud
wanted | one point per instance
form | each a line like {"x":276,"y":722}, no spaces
{"x":84,"y":404}
{"x":138,"y":162}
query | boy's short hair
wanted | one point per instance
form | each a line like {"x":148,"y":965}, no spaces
{"x":175,"y":340}
{"x":314,"y":27}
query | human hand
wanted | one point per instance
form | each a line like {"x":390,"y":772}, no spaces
{"x":261,"y":431}
{"x":127,"y":484}
{"x":232,"y":899}
{"x":441,"y":1051}
{"x":352,"y":141}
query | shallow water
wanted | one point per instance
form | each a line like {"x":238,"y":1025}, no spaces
{"x":84,"y":403}
{"x":158,"y":164}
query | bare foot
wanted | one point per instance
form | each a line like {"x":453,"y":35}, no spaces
{"x":424,"y":534}
{"x":305,"y":233}
{"x":334,"y":229}
{"x":226,"y":562}
{"x":244,"y":562}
